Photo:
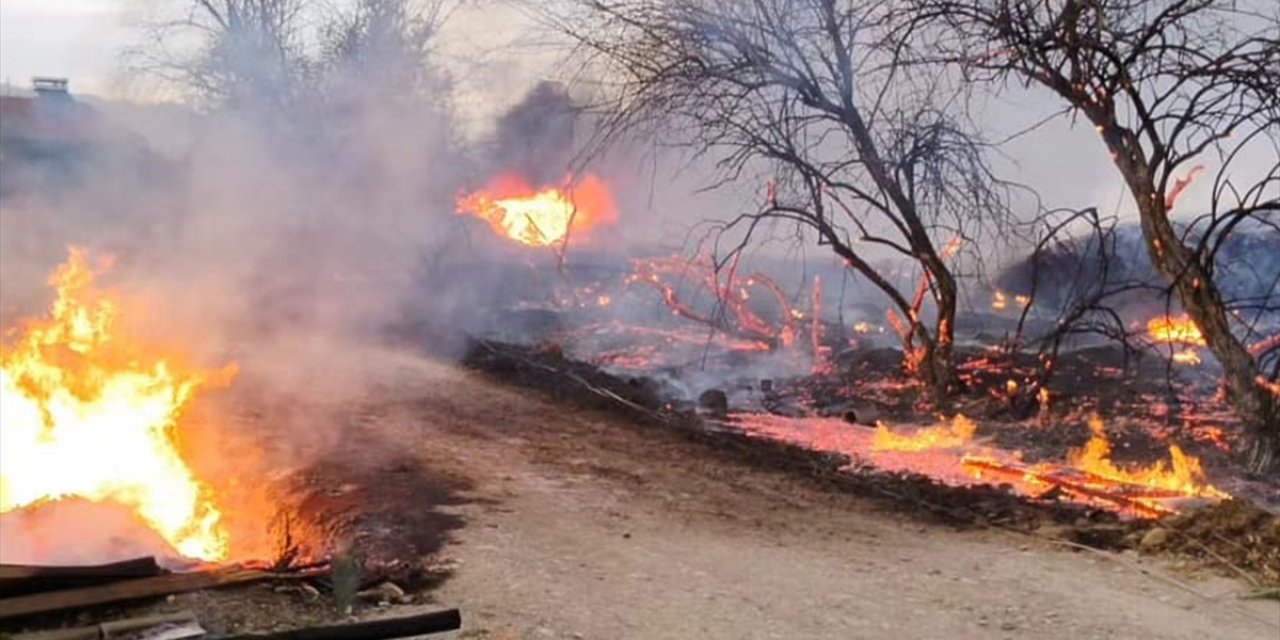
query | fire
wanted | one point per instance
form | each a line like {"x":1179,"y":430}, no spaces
{"x":941,"y":436}
{"x":1180,"y":330}
{"x":1183,"y":474}
{"x":949,"y":453}
{"x":541,"y":217}
{"x":87,"y":412}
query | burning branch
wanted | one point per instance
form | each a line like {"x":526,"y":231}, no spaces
{"x":737,"y":318}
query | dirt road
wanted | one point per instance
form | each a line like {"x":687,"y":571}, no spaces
{"x":578,"y":526}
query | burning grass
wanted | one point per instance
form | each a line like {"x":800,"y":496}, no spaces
{"x":938,"y":469}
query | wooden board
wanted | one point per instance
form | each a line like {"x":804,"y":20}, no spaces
{"x":114,"y":628}
{"x":21,"y":579}
{"x":377,"y":629}
{"x":125,"y":591}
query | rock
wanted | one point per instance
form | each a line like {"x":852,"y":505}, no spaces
{"x":714,"y":403}
{"x":1154,"y":540}
{"x":384,"y":592}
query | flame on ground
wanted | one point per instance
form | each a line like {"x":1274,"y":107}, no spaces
{"x":541,"y":217}
{"x":942,"y":436}
{"x":87,"y":412}
{"x":950,"y":453}
{"x":1183,"y":474}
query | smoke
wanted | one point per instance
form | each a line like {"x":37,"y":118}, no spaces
{"x":283,"y":224}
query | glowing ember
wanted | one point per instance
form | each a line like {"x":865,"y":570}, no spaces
{"x":1169,"y":330}
{"x":942,"y":436}
{"x":86,"y":412}
{"x":1273,"y":387}
{"x":544,"y":216}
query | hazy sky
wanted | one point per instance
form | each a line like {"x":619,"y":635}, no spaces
{"x":78,"y":39}
{"x":486,"y":48}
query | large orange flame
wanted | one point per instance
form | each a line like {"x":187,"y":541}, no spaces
{"x":87,"y":412}
{"x":541,"y":217}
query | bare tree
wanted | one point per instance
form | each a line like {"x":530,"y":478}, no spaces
{"x":387,"y":44}
{"x":1171,"y":86}
{"x":247,"y":55}
{"x":286,"y":56}
{"x":863,"y":151}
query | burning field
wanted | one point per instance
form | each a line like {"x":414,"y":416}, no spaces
{"x":107,"y":422}
{"x":339,"y":338}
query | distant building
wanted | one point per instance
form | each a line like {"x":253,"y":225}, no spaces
{"x":51,"y":115}
{"x":50,"y":140}
{"x":46,"y":87}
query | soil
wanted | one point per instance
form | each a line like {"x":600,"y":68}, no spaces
{"x":562,"y":521}
{"x":584,"y":525}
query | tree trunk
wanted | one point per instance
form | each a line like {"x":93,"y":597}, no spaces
{"x":1257,"y":408}
{"x":942,"y":359}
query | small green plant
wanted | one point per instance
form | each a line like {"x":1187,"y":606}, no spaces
{"x":346,"y":581}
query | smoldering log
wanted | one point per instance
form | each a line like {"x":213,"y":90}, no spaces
{"x":126,"y":591}
{"x":380,"y":629}
{"x":18,"y":579}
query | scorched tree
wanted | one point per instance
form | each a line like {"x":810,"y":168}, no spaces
{"x":1174,"y":88}
{"x":863,"y":150}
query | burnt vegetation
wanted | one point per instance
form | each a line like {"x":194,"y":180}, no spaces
{"x":1174,"y":88}
{"x":850,"y":117}
{"x":813,"y":102}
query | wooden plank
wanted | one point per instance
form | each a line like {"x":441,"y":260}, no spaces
{"x":126,"y":591}
{"x":16,"y":578}
{"x":378,"y":629}
{"x":113,"y":628}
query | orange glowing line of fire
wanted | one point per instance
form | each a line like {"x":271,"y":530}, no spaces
{"x":942,"y":436}
{"x":87,"y":412}
{"x":1182,"y":475}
